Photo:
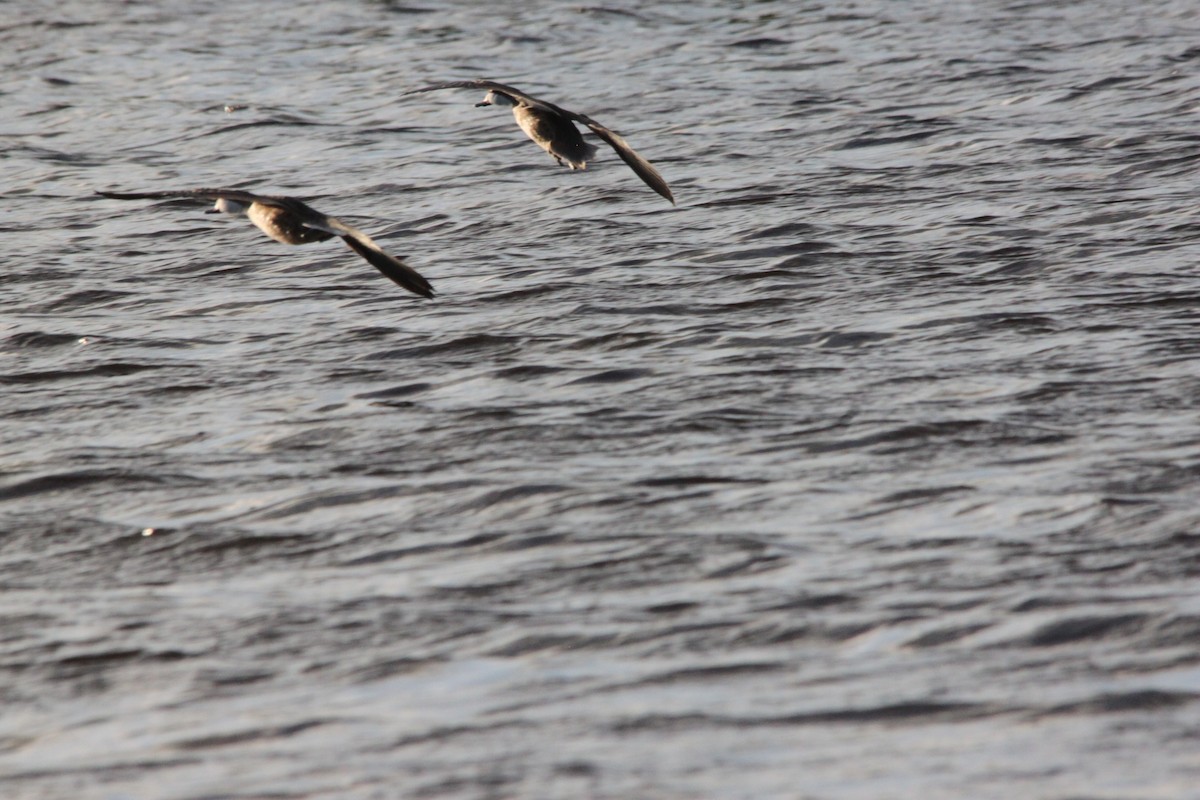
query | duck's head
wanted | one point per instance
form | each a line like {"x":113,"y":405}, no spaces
{"x":495,"y":98}
{"x":226,"y":206}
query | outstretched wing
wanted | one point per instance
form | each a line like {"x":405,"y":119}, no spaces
{"x":237,"y":195}
{"x":639,"y":165}
{"x":480,"y":83}
{"x":393,"y":268}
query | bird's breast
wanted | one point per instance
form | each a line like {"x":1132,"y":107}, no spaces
{"x":542,"y":126}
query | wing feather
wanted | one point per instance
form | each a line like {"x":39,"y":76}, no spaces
{"x":393,"y":268}
{"x":237,"y":195}
{"x":641,"y":167}
{"x":480,"y":83}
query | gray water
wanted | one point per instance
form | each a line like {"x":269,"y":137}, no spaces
{"x":869,"y":471}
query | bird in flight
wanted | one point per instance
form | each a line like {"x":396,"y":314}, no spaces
{"x":287,"y":220}
{"x":553,"y":129}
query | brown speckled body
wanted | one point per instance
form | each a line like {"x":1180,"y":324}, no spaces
{"x":556,"y":135}
{"x":284,"y":226}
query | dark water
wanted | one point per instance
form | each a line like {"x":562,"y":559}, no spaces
{"x":869,"y":471}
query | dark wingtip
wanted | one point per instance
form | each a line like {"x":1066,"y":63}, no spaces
{"x":126,"y":195}
{"x":415,"y":283}
{"x":392,"y":268}
{"x":655,"y":181}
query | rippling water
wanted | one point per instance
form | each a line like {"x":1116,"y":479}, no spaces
{"x":870,"y":470}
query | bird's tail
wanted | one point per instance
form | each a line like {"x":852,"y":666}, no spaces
{"x":576,"y":156}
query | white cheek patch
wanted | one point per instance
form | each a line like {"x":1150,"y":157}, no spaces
{"x":226,"y":206}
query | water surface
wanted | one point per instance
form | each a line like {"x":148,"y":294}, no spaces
{"x":870,"y":470}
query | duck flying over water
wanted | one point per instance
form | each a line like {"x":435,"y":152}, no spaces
{"x":287,"y":220}
{"x":553,"y":129}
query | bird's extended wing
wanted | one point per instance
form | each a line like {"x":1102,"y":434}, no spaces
{"x":480,"y":83}
{"x":393,"y":268}
{"x":237,"y":195}
{"x":639,"y":165}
